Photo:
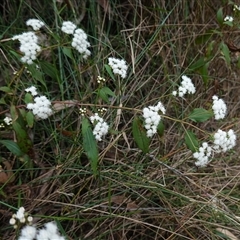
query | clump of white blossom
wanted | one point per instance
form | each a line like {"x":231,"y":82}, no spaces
{"x":223,"y":141}
{"x":236,"y":8}
{"x":79,"y":41}
{"x":32,"y":90}
{"x":152,"y":118}
{"x":41,"y":106}
{"x":228,"y":19}
{"x":68,"y":27}
{"x":28,"y":232}
{"x":203,"y":155}
{"x":48,"y":232}
{"x":185,"y":87}
{"x":219,"y":108}
{"x":101,"y":79}
{"x":35,"y":24}
{"x":118,"y":66}
{"x":100,"y":127}
{"x":83,"y":111}
{"x":28,"y":45}
{"x":8,"y":120}
{"x":20,"y":217}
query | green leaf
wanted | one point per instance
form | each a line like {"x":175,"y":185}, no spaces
{"x":220,"y":16}
{"x":200,"y":115}
{"x":28,"y":98}
{"x":198,"y":64}
{"x":6,"y":89}
{"x":17,"y":55}
{"x":203,"y":38}
{"x":12,"y":147}
{"x":2,"y":101}
{"x":204,"y":73}
{"x":50,"y":70}
{"x":140,"y":136}
{"x":210,"y":49}
{"x":160,"y":129}
{"x":228,"y":23}
{"x":109,"y":70}
{"x":105,"y":92}
{"x":19,"y":127}
{"x":30,"y":119}
{"x":226,"y":53}
{"x":36,"y":74}
{"x":191,"y":141}
{"x":68,"y":52}
{"x":90,"y":145}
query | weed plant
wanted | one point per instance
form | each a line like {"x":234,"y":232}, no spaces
{"x":127,"y":132}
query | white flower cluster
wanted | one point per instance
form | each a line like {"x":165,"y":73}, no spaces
{"x":79,"y":41}
{"x":32,"y":90}
{"x":8,"y":120}
{"x":35,"y":24}
{"x":223,"y":141}
{"x":100,"y":128}
{"x":101,"y":80}
{"x":41,"y":106}
{"x":21,"y":216}
{"x":118,"y":66}
{"x":228,"y":19}
{"x":185,"y":87}
{"x":28,"y":45}
{"x":49,"y":232}
{"x":152,"y":118}
{"x":219,"y":108}
{"x":68,"y":27}
{"x":203,"y":155}
{"x":236,"y":7}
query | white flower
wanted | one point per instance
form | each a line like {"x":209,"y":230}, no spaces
{"x":8,"y":120}
{"x":100,"y":128}
{"x":100,"y":79}
{"x":160,"y":107}
{"x":12,"y":221}
{"x":219,"y":108}
{"x":152,"y":118}
{"x":80,"y":43}
{"x":43,"y":234}
{"x":28,"y":232}
{"x":35,"y":24}
{"x":203,"y":155}
{"x":28,"y":46}
{"x":51,"y":227}
{"x":228,"y":19}
{"x":224,"y":141}
{"x":236,"y":7}
{"x":185,"y":87}
{"x":68,"y":27}
{"x":20,"y":213}
{"x":30,"y":219}
{"x":41,"y":107}
{"x":32,"y":90}
{"x":118,"y":66}
{"x":50,"y":232}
